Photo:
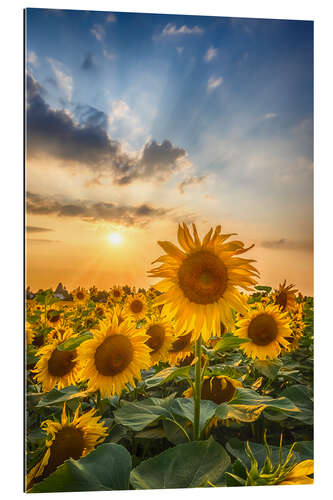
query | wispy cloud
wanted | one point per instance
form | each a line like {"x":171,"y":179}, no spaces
{"x":32,"y":58}
{"x":211,"y":54}
{"x":98,"y":30}
{"x":111,"y":18}
{"x":269,"y":116}
{"x":180,"y":50}
{"x":191,"y":180}
{"x":213,"y":83}
{"x":35,"y":229}
{"x":286,"y":244}
{"x":64,"y":80}
{"x":171,"y":30}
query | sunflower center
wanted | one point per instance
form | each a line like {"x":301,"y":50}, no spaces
{"x":282,"y":300}
{"x":203,"y":277}
{"x":61,"y":362}
{"x":136,"y":306}
{"x":68,"y":443}
{"x":262,"y":329}
{"x":157,"y":336}
{"x":114,"y":355}
{"x":80,"y":295}
{"x":38,"y":341}
{"x":99,"y":311}
{"x":217,"y":390}
{"x":53,"y":315}
{"x":182,"y":342}
{"x":116,"y":293}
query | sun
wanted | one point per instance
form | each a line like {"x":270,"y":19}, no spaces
{"x":115,"y":238}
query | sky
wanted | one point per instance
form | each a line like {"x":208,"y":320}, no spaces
{"x":138,"y":122}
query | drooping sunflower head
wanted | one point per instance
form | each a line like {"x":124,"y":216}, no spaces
{"x":219,"y":389}
{"x":80,"y":295}
{"x":266,"y":329}
{"x":56,"y":367}
{"x":116,"y":294}
{"x":135,"y":306}
{"x":200,"y":280}
{"x":285,"y":297}
{"x":181,"y":347}
{"x":160,"y":337}
{"x":114,"y":356}
{"x":67,"y":439}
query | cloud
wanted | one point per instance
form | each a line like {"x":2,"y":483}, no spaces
{"x":88,"y":62}
{"x":41,"y":240}
{"x":180,"y":50}
{"x":283,"y":243}
{"x":213,"y":83}
{"x":98,"y":30}
{"x":64,"y":80}
{"x":111,"y":18}
{"x":94,"y":212}
{"x":35,"y":229}
{"x":55,"y":132}
{"x":171,"y":30}
{"x":33,"y":58}
{"x":269,"y":116}
{"x":108,"y":55}
{"x":210,"y":54}
{"x":191,"y":180}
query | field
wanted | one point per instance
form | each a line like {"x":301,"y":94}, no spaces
{"x":204,"y":380}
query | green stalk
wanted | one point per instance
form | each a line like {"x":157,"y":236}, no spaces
{"x":197,"y":391}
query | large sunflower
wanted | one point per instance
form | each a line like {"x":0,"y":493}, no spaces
{"x":80,"y":295}
{"x":267,"y":329}
{"x":114,"y":356}
{"x":181,"y":348}
{"x":285,"y":297}
{"x":160,"y":338}
{"x":67,"y":439}
{"x":135,"y":306}
{"x":300,"y":474}
{"x":200,"y":280}
{"x":57,"y":367}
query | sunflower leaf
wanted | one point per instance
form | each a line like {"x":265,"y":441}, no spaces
{"x":167,"y":375}
{"x":74,"y":342}
{"x":184,"y":407}
{"x":55,"y":397}
{"x":140,"y":414}
{"x":188,"y":465}
{"x":106,"y":468}
{"x":229,"y":342}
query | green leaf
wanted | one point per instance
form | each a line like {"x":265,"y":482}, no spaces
{"x":267,"y":367}
{"x":106,"y":468}
{"x":267,"y":289}
{"x":167,"y":375}
{"x":187,"y":465}
{"x":139,"y":414}
{"x":74,"y":342}
{"x":229,"y":342}
{"x":247,"y":406}
{"x":300,"y":395}
{"x":56,"y":397}
{"x":184,"y":407}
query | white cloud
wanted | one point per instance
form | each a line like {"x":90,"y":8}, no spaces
{"x":33,"y":58}
{"x":180,"y":50}
{"x":64,"y":80}
{"x":124,"y":124}
{"x":111,"y":18}
{"x":269,"y":116}
{"x":171,"y":30}
{"x":108,"y":55}
{"x":98,"y":31}
{"x":213,"y":83}
{"x":210,"y":54}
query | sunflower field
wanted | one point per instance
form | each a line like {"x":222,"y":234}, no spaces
{"x":203,"y":380}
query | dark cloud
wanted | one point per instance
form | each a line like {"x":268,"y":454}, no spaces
{"x":35,"y":229}
{"x":56,"y":133}
{"x":88,"y":62}
{"x":189,"y":181}
{"x":88,"y":211}
{"x":285,"y":244}
{"x":91,"y":116}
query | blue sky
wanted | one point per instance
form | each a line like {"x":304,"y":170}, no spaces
{"x":206,"y":119}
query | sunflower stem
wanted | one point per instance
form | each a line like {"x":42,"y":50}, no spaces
{"x":197,"y":393}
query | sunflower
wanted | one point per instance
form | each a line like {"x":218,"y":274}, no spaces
{"x":116,"y":293}
{"x":57,"y":367}
{"x":160,"y":337}
{"x":300,"y":473}
{"x":181,"y":348}
{"x":30,"y":335}
{"x":219,"y":389}
{"x":267,"y":329}
{"x":67,"y":439}
{"x":114,"y":356}
{"x":200,"y":280}
{"x":53,"y":315}
{"x":285,"y":297}
{"x":297,"y":327}
{"x":80,"y":295}
{"x":136,"y":306}
{"x":99,"y":310}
